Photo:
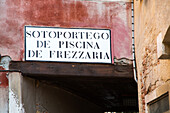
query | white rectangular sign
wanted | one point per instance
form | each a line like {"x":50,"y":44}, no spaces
{"x":67,"y":45}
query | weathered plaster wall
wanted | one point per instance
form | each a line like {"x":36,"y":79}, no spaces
{"x":100,"y":14}
{"x":152,"y":19}
{"x":3,"y":90}
{"x":3,"y":100}
{"x":16,"y":94}
{"x":27,"y":95}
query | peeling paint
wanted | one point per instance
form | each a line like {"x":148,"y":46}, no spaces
{"x":4,"y":65}
{"x":3,"y":85}
{"x":98,"y":14}
{"x":152,"y":20}
{"x":4,"y":100}
{"x":15,"y":106}
{"x":3,"y":78}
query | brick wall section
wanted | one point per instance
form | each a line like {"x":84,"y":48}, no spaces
{"x":151,"y":18}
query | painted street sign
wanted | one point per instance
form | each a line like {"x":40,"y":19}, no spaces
{"x":67,"y":44}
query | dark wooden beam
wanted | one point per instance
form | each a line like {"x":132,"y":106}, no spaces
{"x":53,"y":69}
{"x":106,"y":85}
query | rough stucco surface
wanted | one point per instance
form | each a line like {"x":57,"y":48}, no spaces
{"x":151,"y":19}
{"x":15,"y":93}
{"x":3,"y":100}
{"x":3,"y":91}
{"x":98,"y":14}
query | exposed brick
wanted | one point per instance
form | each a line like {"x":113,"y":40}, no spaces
{"x":149,"y":23}
{"x":143,"y":101}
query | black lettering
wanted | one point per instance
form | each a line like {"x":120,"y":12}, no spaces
{"x":81,"y":54}
{"x":106,"y":56}
{"x":71,"y":44}
{"x":77,"y":45}
{"x":38,"y":53}
{"x":87,"y":55}
{"x":74,"y":54}
{"x":61,"y":43}
{"x":81,"y":34}
{"x":31,"y":53}
{"x":105,"y":36}
{"x":96,"y":55}
{"x":88,"y":35}
{"x":68,"y":55}
{"x":59,"y":54}
{"x":58,"y":34}
{"x":91,"y":45}
{"x":38,"y":44}
{"x":44,"y":33}
{"x":28,"y":34}
{"x":36,"y":34}
{"x":43,"y":44}
{"x":66,"y":44}
{"x":96,"y":37}
{"x":93,"y":55}
{"x":96,"y":46}
{"x":48,"y":46}
{"x":75,"y":35}
{"x":100,"y":55}
{"x":67,"y":35}
{"x":52,"y":35}
{"x":50,"y":54}
{"x":84,"y":45}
